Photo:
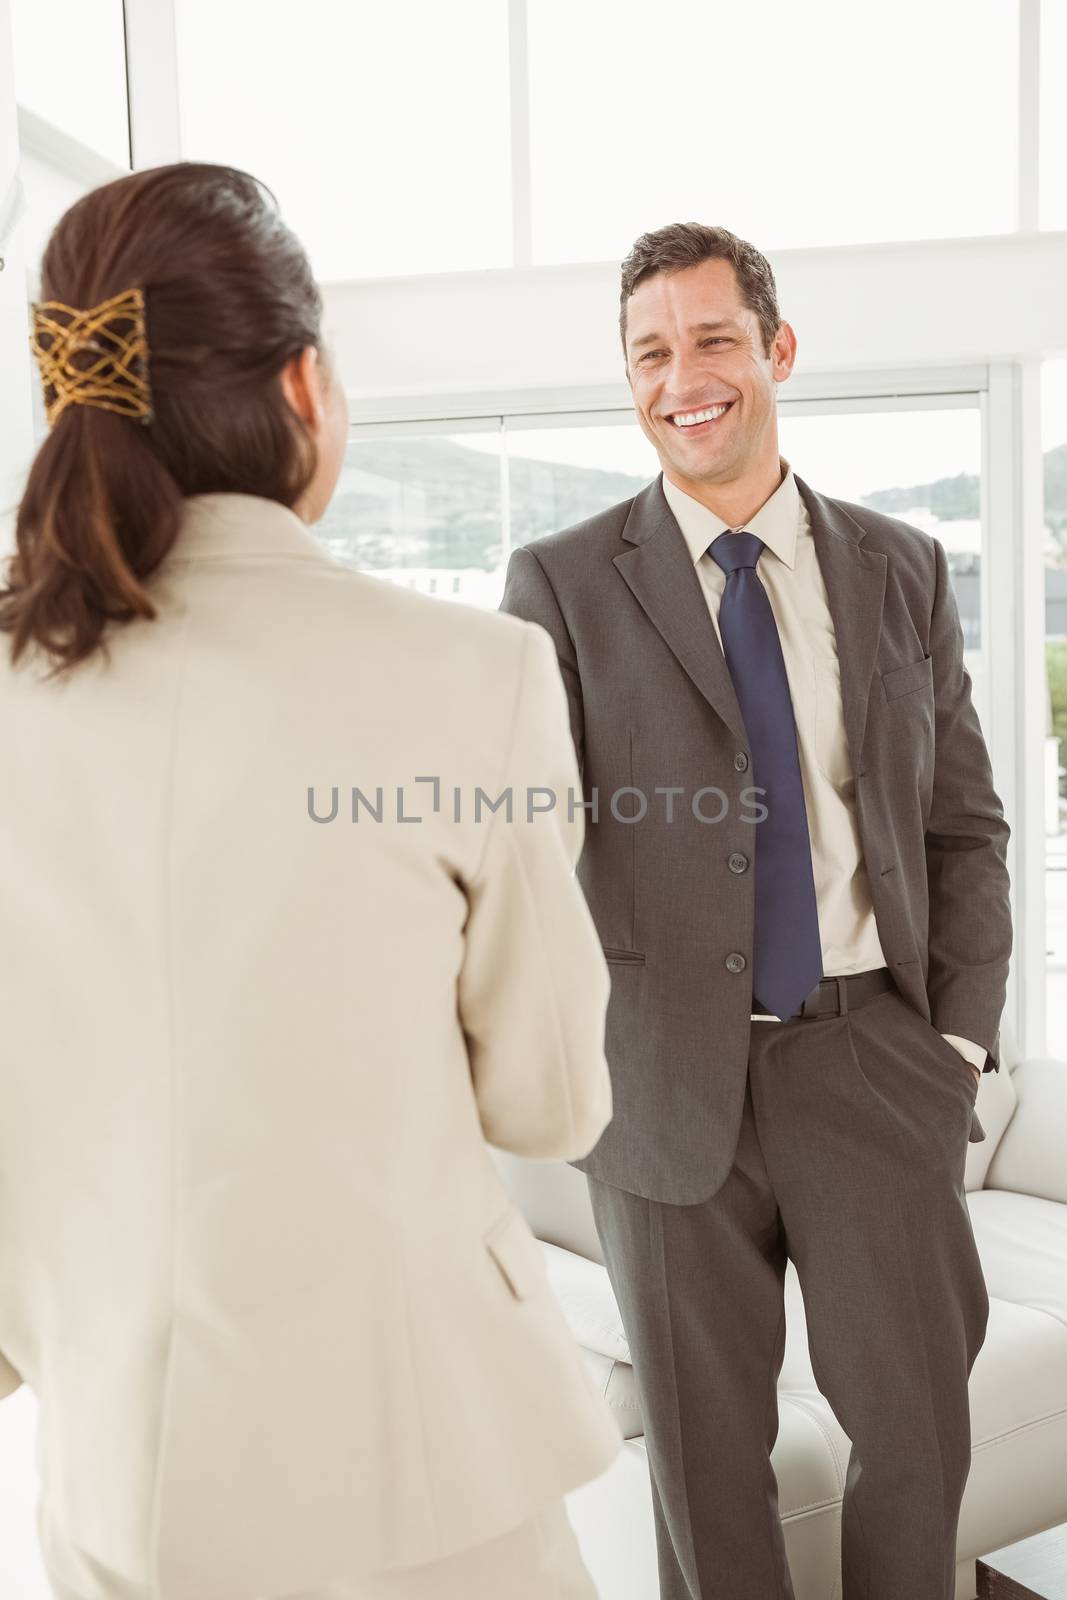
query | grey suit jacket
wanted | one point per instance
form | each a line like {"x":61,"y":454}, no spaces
{"x":652,"y":707}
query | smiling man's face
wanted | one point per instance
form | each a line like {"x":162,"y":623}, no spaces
{"x":703,"y":385}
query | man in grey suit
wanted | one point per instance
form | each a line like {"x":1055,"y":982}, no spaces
{"x":795,"y":858}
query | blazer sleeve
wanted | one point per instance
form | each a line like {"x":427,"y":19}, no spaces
{"x":533,"y":987}
{"x":528,"y":594}
{"x":10,"y":1380}
{"x":970,"y":929}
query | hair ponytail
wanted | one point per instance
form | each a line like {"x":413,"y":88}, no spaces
{"x":229,"y":298}
{"x":98,"y":513}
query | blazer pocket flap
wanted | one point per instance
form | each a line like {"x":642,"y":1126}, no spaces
{"x":518,"y":1254}
{"x":622,"y":956}
{"x":902,"y":680}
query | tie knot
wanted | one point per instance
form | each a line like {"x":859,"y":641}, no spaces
{"x":732,"y":550}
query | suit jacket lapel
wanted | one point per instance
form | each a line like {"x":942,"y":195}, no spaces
{"x":659,"y":572}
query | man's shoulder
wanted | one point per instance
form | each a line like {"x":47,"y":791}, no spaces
{"x":910,"y":552}
{"x":594,"y":536}
{"x":890,"y":535}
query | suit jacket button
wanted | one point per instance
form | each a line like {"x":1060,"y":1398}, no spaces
{"x":735,"y":962}
{"x":741,"y":761}
{"x":737,"y":862}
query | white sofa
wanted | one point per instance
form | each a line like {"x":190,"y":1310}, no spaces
{"x":1017,"y":1192}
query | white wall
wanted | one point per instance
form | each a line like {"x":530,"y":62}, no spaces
{"x":16,"y":427}
{"x":49,"y":192}
{"x":934,"y":303}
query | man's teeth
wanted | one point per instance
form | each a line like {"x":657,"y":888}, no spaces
{"x":689,"y":419}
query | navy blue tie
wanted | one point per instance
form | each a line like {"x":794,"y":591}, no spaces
{"x":787,"y":950}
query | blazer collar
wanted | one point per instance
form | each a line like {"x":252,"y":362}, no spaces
{"x":214,"y":526}
{"x":659,"y":570}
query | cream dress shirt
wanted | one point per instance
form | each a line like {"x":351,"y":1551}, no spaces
{"x":790,"y":573}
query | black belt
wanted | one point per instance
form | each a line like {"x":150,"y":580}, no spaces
{"x":833,"y":997}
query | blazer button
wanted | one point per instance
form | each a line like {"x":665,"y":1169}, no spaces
{"x":737,"y":862}
{"x":741,"y":761}
{"x":735,"y":962}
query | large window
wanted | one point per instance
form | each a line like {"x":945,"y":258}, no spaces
{"x":918,"y":461}
{"x":791,"y":124}
{"x":560,"y":473}
{"x":424,"y":138}
{"x":383,"y":130}
{"x":440,"y":511}
{"x":70,"y":69}
{"x":423,"y":509}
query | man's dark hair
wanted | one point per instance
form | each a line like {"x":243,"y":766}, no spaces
{"x":687,"y":244}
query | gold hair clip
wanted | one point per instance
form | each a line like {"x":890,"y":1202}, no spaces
{"x":118,"y":380}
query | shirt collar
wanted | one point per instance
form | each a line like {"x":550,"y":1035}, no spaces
{"x":776,"y":522}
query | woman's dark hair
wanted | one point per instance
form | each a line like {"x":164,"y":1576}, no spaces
{"x":229,"y":298}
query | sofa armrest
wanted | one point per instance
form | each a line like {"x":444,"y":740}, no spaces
{"x":1031,"y":1157}
{"x":588,"y":1302}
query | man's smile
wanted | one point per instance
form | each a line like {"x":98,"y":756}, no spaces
{"x":699,"y":421}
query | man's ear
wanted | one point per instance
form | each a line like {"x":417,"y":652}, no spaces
{"x":783,"y":352}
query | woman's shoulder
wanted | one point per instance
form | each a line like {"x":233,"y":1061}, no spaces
{"x":455,"y":624}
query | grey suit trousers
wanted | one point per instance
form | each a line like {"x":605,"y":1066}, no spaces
{"x":849,"y":1161}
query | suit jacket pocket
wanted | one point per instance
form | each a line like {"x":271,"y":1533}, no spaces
{"x":905,"y":680}
{"x":517,"y":1254}
{"x":622,"y":956}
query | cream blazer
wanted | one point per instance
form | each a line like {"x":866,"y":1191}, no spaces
{"x":284,"y":1323}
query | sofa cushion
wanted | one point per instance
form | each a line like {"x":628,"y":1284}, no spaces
{"x":1022,"y":1240}
{"x":1018,"y":1387}
{"x":1031,"y":1157}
